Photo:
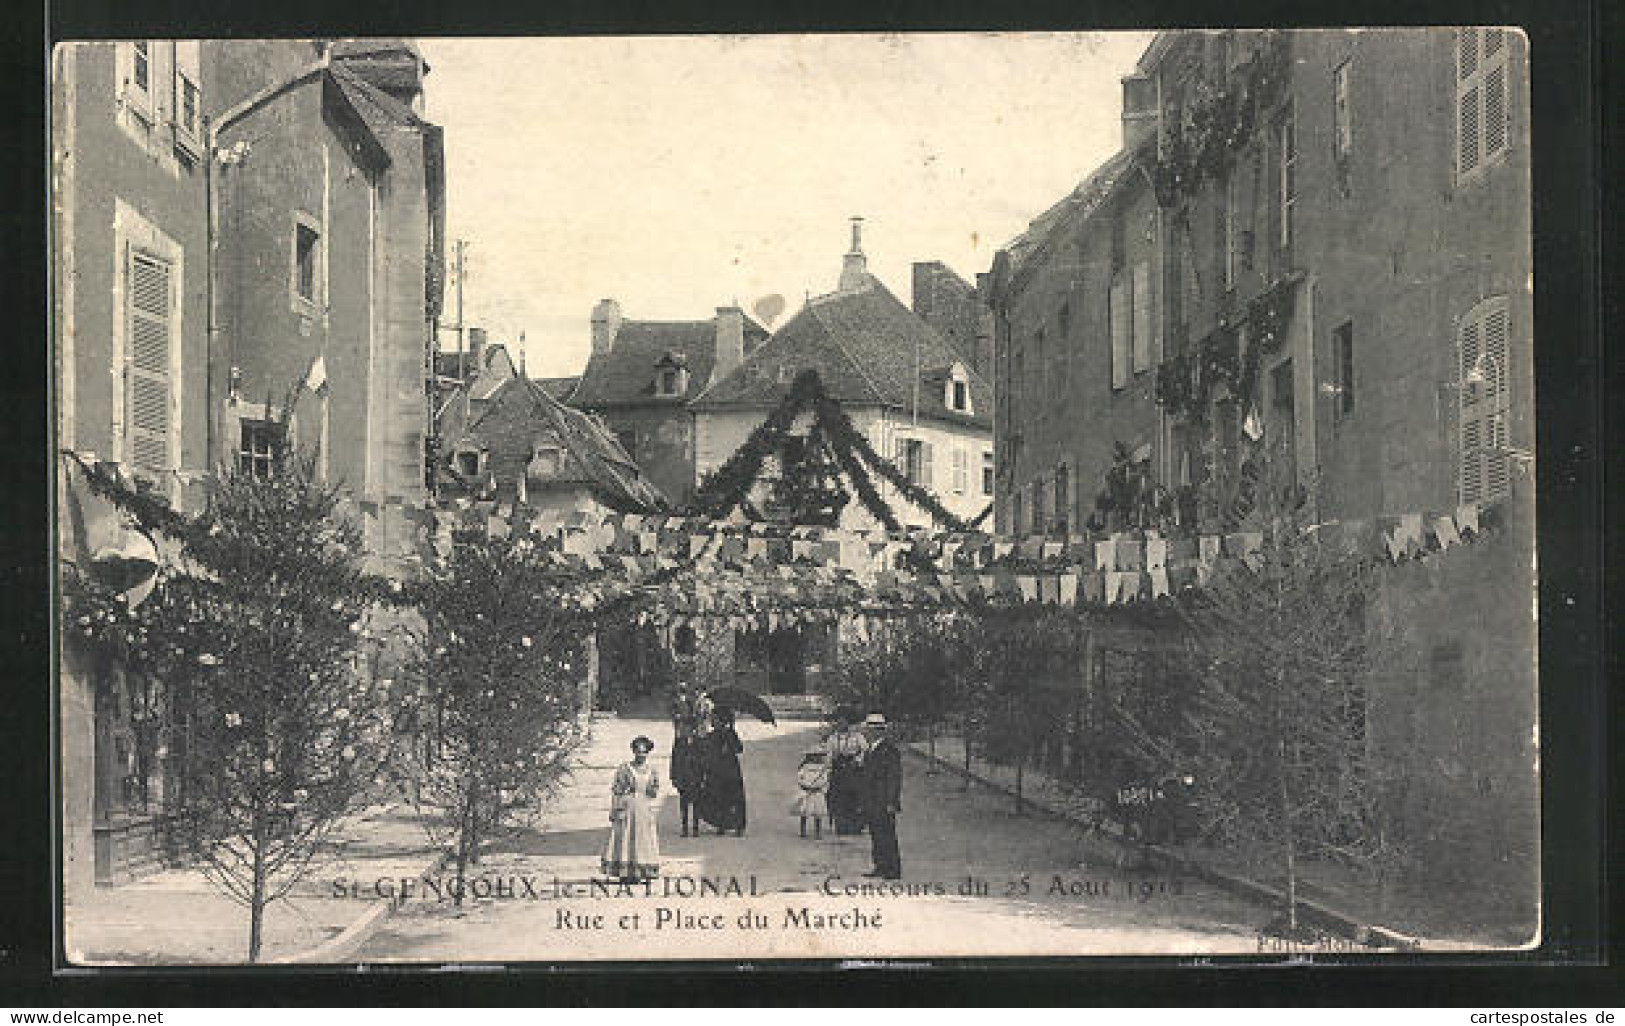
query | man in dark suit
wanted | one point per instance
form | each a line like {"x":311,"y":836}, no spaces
{"x":882,"y":797}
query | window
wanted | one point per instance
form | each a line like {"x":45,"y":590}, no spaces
{"x":187,"y":102}
{"x":915,"y":459}
{"x":1482,"y":345}
{"x":1227,"y":228}
{"x":1063,"y":321}
{"x":1287,"y":142}
{"x":150,"y":331}
{"x":961,"y":400}
{"x":1342,"y":134}
{"x":1063,"y":498}
{"x":1481,"y":99}
{"x":1141,"y":328}
{"x":259,"y":448}
{"x":306,"y":256}
{"x":1015,"y":511}
{"x":135,"y":78}
{"x":668,"y":381}
{"x":1283,"y":407}
{"x":987,"y":473}
{"x":468,"y":462}
{"x":961,"y":471}
{"x":1038,"y":505}
{"x":1343,"y":353}
{"x":1122,"y":332}
{"x":545,"y":462}
{"x":142,"y":72}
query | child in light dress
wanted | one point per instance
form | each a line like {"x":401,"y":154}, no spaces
{"x":812,"y":780}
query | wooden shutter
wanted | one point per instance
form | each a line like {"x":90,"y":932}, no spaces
{"x":1481,"y":97}
{"x":1494,"y":62}
{"x":925,"y":464}
{"x":1122,"y":333}
{"x":147,"y":417}
{"x":1142,"y":316}
{"x":1484,"y":351}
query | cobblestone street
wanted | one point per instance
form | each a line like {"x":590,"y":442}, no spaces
{"x":978,"y":880}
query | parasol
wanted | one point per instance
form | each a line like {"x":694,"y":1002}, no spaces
{"x":738,"y":700}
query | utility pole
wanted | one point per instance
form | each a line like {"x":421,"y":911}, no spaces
{"x":458,"y":248}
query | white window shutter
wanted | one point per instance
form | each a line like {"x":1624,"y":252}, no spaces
{"x":1484,"y":347}
{"x":1494,"y":89}
{"x":925,"y":464}
{"x":149,"y":301}
{"x":1142,"y":316}
{"x":1122,"y":333}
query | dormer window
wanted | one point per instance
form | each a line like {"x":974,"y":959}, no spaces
{"x":545,"y":462}
{"x":671,"y":375}
{"x":956,"y":390}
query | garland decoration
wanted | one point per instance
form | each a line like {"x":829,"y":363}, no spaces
{"x":1219,"y":123}
{"x":728,"y":487}
{"x":1185,"y":382}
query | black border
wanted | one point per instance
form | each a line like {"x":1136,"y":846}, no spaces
{"x":1572,"y":379}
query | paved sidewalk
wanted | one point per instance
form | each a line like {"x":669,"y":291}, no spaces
{"x":1413,"y":917}
{"x":178,"y":917}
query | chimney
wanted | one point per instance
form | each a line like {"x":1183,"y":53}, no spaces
{"x":1140,"y":110}
{"x":854,"y":266}
{"x":730,"y":342}
{"x":606,"y":322}
{"x":476,"y":351}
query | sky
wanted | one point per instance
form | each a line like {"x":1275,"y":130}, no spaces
{"x":678,"y":174}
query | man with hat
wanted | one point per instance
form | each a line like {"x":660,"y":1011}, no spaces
{"x":882,"y":796}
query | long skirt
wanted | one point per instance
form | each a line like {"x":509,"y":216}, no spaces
{"x":633,"y":849}
{"x":722,"y":794}
{"x":845,"y":796}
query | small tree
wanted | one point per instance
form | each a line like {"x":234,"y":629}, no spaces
{"x":502,"y":677}
{"x":1275,"y":735}
{"x":281,"y":736}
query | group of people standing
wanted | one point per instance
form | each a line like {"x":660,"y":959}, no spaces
{"x":854,"y":777}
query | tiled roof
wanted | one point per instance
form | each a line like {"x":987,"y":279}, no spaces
{"x":618,"y":482}
{"x":593,"y":456}
{"x":867,"y":348}
{"x":626,"y":374}
{"x":558,"y":388}
{"x":1080,"y":201}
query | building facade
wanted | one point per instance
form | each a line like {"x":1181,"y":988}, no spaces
{"x":1316,"y":243}
{"x":642,"y":376}
{"x":241,"y":230}
{"x":130,"y":264}
{"x":329,"y":207}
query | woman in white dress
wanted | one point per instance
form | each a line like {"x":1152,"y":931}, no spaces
{"x":633,"y":852}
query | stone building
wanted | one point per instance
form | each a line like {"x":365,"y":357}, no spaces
{"x":241,"y":228}
{"x":329,"y":202}
{"x":642,"y":375}
{"x":1330,"y":232}
{"x":130,"y":385}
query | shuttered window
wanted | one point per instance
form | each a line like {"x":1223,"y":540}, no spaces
{"x":1287,"y":146}
{"x":1481,"y":99}
{"x":1142,"y":316}
{"x":149,"y":305}
{"x":1122,"y":332}
{"x":188,"y":99}
{"x":1483,"y":346}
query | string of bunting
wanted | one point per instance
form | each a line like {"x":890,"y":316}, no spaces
{"x":799,"y":572}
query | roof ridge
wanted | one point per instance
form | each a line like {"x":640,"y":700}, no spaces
{"x":834,"y":338}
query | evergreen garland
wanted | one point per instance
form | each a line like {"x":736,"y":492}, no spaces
{"x":1185,"y":381}
{"x":728,"y":487}
{"x":1219,"y":124}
